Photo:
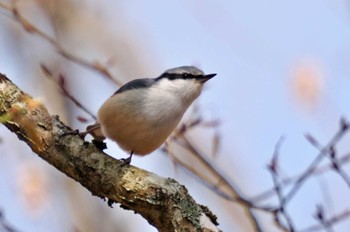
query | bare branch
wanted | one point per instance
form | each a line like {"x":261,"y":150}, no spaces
{"x":336,"y":165}
{"x":281,"y":209}
{"x":291,"y":180}
{"x":330,"y":221}
{"x":221,"y":180}
{"x":163,"y":202}
{"x":31,"y":28}
{"x":6,"y":227}
{"x":343,"y":128}
{"x":65,"y":92}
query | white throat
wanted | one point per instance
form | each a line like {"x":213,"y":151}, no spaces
{"x":171,"y":98}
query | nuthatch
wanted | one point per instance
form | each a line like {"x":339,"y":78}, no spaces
{"x":141,"y":114}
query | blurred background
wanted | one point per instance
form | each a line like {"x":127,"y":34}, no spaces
{"x":282,"y":70}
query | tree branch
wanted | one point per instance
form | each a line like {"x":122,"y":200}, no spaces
{"x":163,"y":202}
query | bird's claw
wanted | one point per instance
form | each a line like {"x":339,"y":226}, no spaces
{"x":74,"y":132}
{"x":125,"y":161}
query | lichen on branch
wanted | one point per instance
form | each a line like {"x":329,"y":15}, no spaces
{"x":163,"y":202}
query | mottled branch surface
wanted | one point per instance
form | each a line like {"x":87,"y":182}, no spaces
{"x":163,"y":202}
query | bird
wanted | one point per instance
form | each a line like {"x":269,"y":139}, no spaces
{"x":142,"y":114}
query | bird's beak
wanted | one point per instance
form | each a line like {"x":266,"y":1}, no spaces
{"x":207,"y":77}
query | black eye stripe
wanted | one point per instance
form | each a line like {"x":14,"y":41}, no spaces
{"x":174,"y":76}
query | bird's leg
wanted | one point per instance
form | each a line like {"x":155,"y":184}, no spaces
{"x":82,"y":135}
{"x":73,"y":132}
{"x":89,"y":129}
{"x":127,"y":160}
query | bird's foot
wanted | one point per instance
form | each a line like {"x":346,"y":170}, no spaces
{"x":126,"y":161}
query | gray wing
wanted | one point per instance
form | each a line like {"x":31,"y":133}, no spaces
{"x":136,"y":84}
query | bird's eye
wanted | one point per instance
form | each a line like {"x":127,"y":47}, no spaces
{"x":185,"y":75}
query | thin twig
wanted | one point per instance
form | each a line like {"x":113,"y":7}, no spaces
{"x":5,"y":225}
{"x":31,"y":28}
{"x":291,"y":180}
{"x":313,"y":166}
{"x":281,"y":209}
{"x":247,"y":205}
{"x":65,"y":92}
{"x":331,"y":221}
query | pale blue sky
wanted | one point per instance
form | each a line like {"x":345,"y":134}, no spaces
{"x":254,"y":47}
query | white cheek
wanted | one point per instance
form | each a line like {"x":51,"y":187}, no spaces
{"x":170,"y":99}
{"x":185,"y":90}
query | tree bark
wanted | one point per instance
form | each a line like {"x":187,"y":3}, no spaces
{"x":163,"y":202}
